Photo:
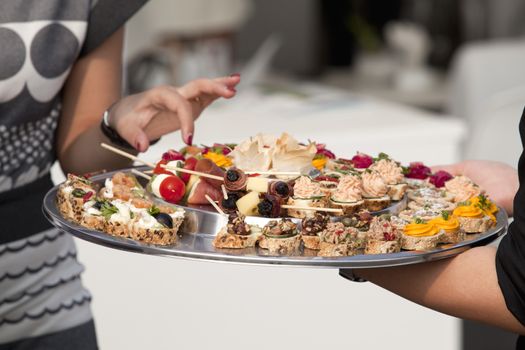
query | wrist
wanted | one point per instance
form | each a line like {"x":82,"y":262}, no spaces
{"x":110,"y":131}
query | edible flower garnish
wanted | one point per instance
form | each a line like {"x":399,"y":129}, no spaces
{"x":220,"y":159}
{"x":172,"y":155}
{"x":417,"y":170}
{"x":362,"y":161}
{"x":439,"y":178}
{"x":322,"y":156}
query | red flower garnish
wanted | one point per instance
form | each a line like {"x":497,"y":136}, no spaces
{"x":321,"y":150}
{"x":439,"y":178}
{"x":172,"y":155}
{"x":362,"y":161}
{"x":389,"y":236}
{"x":87,"y":196}
{"x":418,"y":170}
{"x":338,"y":232}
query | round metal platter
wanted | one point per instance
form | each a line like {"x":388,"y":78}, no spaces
{"x":201,"y":225}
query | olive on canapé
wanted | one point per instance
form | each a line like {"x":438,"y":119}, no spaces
{"x":164,"y":219}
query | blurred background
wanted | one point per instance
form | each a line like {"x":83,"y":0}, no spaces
{"x":428,"y":80}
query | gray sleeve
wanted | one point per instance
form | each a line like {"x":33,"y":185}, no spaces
{"x":105,"y":18}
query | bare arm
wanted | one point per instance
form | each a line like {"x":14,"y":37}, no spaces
{"x":465,"y":286}
{"x":95,"y":83}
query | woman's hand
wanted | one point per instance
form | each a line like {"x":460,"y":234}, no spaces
{"x":151,"y":114}
{"x":498,"y":179}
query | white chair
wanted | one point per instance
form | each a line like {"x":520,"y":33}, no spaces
{"x":487,"y":89}
{"x":494,"y":134}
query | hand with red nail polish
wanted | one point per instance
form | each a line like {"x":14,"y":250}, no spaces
{"x":149,"y":115}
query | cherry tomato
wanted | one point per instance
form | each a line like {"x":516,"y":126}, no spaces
{"x":172,"y":189}
{"x":160,"y":170}
{"x":188,"y":165}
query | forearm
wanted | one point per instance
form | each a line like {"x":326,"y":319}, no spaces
{"x":84,"y":154}
{"x":465,"y":286}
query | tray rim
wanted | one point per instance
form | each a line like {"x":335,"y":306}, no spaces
{"x":51,"y":212}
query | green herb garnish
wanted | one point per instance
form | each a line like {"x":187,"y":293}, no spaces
{"x":483,"y":202}
{"x":463,"y":204}
{"x":419,"y":221}
{"x":153,"y":211}
{"x":382,"y":155}
{"x":78,"y":193}
{"x":107,"y":209}
{"x":445,"y":214}
{"x":405,"y":170}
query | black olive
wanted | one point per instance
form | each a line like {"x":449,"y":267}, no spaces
{"x":164,"y":219}
{"x":229,"y":203}
{"x":265,"y":208}
{"x":282,"y":188}
{"x":98,"y":205}
{"x":232,"y":175}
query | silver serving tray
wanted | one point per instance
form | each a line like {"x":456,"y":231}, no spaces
{"x":201,"y":226}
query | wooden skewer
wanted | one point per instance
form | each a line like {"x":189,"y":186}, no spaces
{"x":224,"y":192}
{"x":126,"y":154}
{"x":148,"y":171}
{"x":192,"y":172}
{"x":140,"y":173}
{"x":284,"y":173}
{"x":212,"y":202}
{"x":329,"y":210}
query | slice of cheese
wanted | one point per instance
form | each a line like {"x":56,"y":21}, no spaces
{"x":247,"y":205}
{"x":257,"y":184}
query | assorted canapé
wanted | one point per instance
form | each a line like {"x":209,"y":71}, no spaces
{"x":336,"y":200}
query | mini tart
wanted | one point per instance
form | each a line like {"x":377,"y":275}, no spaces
{"x":157,"y":234}
{"x":333,"y":250}
{"x":338,"y":240}
{"x":422,"y":236}
{"x":382,"y":247}
{"x":282,"y":246}
{"x":316,"y":202}
{"x":473,"y":220}
{"x":434,"y":205}
{"x":71,"y":197}
{"x":424,"y":214}
{"x":376,"y":204}
{"x":328,"y":187}
{"x":311,"y":242}
{"x":414,"y":184}
{"x":428,"y":194}
{"x":92,"y":218}
{"x":451,"y":227}
{"x":397,"y":191}
{"x":235,"y":241}
{"x":348,"y":208}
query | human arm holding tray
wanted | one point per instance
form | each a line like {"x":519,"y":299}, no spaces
{"x":95,"y":84}
{"x":485,"y":284}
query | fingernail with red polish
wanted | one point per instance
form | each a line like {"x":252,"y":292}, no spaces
{"x":137,"y":146}
{"x":234,"y":75}
{"x":189,"y":139}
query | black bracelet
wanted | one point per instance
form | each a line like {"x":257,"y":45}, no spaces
{"x":113,"y":135}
